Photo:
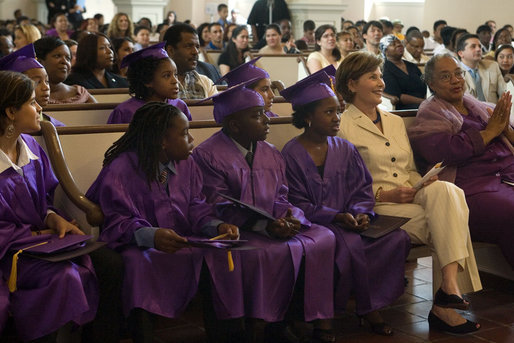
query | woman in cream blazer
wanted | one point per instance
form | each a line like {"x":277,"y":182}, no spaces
{"x":438,"y":210}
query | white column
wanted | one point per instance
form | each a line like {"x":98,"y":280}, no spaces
{"x":321,"y":12}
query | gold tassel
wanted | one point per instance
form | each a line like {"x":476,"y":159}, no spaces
{"x":230,"y":261}
{"x":14,"y":267}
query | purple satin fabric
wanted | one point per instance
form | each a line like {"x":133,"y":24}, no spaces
{"x":37,"y":308}
{"x":269,"y":273}
{"x":155,"y":281}
{"x":123,"y":113}
{"x":364,"y":265}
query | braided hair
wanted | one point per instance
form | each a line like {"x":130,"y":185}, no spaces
{"x":144,"y":137}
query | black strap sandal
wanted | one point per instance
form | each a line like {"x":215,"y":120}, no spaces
{"x":434,"y":322}
{"x":445,"y":300}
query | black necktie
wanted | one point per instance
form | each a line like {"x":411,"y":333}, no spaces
{"x":249,"y":158}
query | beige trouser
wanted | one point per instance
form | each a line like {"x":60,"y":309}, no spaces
{"x":440,"y":220}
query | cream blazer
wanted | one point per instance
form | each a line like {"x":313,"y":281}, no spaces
{"x":493,"y":84}
{"x":387,"y":155}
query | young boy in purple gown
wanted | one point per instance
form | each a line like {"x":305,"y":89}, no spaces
{"x":237,"y":162}
{"x":152,"y":76}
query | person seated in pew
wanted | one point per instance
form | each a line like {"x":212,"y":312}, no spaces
{"x":273,"y":37}
{"x":61,"y":292}
{"x":261,"y":85}
{"x":236,"y":161}
{"x":438,"y":210}
{"x":152,"y":76}
{"x":402,"y":79}
{"x":55,"y":56}
{"x":24,"y":61}
{"x":236,"y":52}
{"x":504,"y":56}
{"x":414,"y":48}
{"x":326,"y":51}
{"x":476,"y":142}
{"x":328,"y":180}
{"x":345,"y":43}
{"x":182,"y":46}
{"x":95,"y":57}
{"x":121,"y":47}
{"x":150,"y":191}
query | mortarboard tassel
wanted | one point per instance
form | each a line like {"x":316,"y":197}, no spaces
{"x":229,"y":253}
{"x":14,"y":268}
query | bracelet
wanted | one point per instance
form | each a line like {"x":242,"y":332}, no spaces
{"x":38,"y":232}
{"x":377,"y":194}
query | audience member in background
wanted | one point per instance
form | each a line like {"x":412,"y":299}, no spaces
{"x":446,"y":36}
{"x":182,"y":46}
{"x":501,"y":37}
{"x":259,"y":16}
{"x":492,"y":25}
{"x":510,"y":28}
{"x":146,"y":22}
{"x":475,"y":143}
{"x":372,"y":34}
{"x":345,"y":43}
{"x":301,"y":45}
{"x":345,"y":24}
{"x":357,"y":38}
{"x":359,"y":24}
{"x":121,"y":26}
{"x":203,"y":34}
{"x":55,"y":56}
{"x":95,"y":57}
{"x":142,"y":38}
{"x":504,"y":56}
{"x":58,"y":6}
{"x":216,"y":37}
{"x":75,"y":14}
{"x":236,"y":51}
{"x":431,"y":43}
{"x":285,"y":26}
{"x":289,"y":45}
{"x":121,"y":47}
{"x":326,"y":52}
{"x":73,"y":46}
{"x":65,"y":291}
{"x":25,"y":34}
{"x":6,"y":45}
{"x":223,"y":15}
{"x":381,"y":139}
{"x":387,"y":27}
{"x":171,"y":18}
{"x":414,"y":48}
{"x":455,"y":38}
{"x":89,"y":25}
{"x":273,"y":37}
{"x":236,"y":17}
{"x":61,"y":27}
{"x":228,"y":32}
{"x":483,"y":78}
{"x":397,"y":29}
{"x":402,"y":79}
{"x":485,"y":35}
{"x":152,"y":77}
{"x":308,"y":32}
{"x":102,"y":27}
{"x":410,"y":29}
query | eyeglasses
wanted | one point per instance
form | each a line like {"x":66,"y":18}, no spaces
{"x":446,"y":77}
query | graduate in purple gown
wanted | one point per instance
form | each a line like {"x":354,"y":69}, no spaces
{"x":261,"y":85}
{"x":150,"y":193}
{"x":329,"y":181}
{"x":24,"y":61}
{"x":44,"y":296}
{"x":476,"y":144}
{"x":237,"y":161}
{"x":152,"y":76}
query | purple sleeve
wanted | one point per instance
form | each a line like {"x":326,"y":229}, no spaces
{"x":116,"y":116}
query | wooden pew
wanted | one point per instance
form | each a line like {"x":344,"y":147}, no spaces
{"x":287,"y":68}
{"x":97,"y":114}
{"x":103,"y":95}
{"x":76,"y":154}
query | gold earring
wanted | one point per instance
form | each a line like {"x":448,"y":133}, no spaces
{"x":9,"y":131}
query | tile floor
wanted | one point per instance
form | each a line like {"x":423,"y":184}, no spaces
{"x":493,"y":307}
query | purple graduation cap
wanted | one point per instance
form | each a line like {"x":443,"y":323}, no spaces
{"x":235,"y":99}
{"x":156,"y":51}
{"x":244,"y":73}
{"x":21,"y":60}
{"x":314,"y":87}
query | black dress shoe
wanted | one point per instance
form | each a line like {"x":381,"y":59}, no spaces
{"x":380,"y":328}
{"x":434,"y":322}
{"x":279,"y":332}
{"x":445,"y":300}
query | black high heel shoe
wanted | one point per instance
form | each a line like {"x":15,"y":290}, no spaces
{"x":380,"y":328}
{"x":445,"y":300}
{"x":434,"y":322}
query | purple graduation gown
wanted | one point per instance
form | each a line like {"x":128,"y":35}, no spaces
{"x":364,"y":265}
{"x":156,"y":281}
{"x":49,"y":294}
{"x":269,"y":273}
{"x":480,"y":171}
{"x":123,"y":113}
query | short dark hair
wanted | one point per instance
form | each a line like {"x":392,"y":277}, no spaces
{"x":496,"y":35}
{"x":274,"y":27}
{"x":173,"y":34}
{"x":214,"y":24}
{"x":372,"y":23}
{"x":221,"y":6}
{"x":484,"y":28}
{"x":386,"y":23}
{"x":461,"y":43}
{"x":309,"y":25}
{"x":439,"y":22}
{"x":413,"y":34}
{"x":319,"y":33}
{"x":98,"y":16}
{"x":139,"y":28}
{"x":45,"y":45}
{"x":455,"y":35}
{"x":412,"y":28}
{"x":446,"y":35}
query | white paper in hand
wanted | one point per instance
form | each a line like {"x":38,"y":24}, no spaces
{"x":432,"y":172}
